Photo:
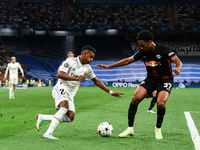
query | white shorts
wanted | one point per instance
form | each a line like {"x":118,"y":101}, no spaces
{"x":13,"y":81}
{"x":59,"y":94}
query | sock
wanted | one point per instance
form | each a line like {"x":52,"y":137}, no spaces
{"x":57,"y":118}
{"x":131,"y":128}
{"x":10,"y":90}
{"x":66,"y":119}
{"x":13,"y":91}
{"x":153,"y":102}
{"x":160,"y":116}
{"x":131,"y":114}
{"x":47,"y":117}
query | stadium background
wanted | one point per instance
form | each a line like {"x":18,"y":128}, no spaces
{"x":42,"y":44}
{"x":41,"y":33}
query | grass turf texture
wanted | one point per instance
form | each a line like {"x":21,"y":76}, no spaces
{"x":93,"y":106}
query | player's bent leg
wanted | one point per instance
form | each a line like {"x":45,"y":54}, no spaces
{"x":13,"y":91}
{"x":69,"y":116}
{"x":58,"y":117}
{"x":153,"y":102}
{"x":10,"y":90}
{"x":161,"y":100}
{"x":139,"y":95}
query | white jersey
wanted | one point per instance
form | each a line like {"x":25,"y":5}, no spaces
{"x":13,"y":69}
{"x":73,"y":67}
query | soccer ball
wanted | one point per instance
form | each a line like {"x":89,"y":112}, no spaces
{"x":105,"y":129}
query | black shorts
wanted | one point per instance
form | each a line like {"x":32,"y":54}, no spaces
{"x":159,"y":85}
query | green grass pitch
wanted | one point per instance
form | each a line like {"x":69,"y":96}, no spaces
{"x":93,"y":106}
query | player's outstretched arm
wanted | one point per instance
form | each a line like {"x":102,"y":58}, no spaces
{"x":120,"y":63}
{"x":100,"y":84}
{"x":178,"y":63}
{"x":64,"y":76}
{"x":6,"y":72}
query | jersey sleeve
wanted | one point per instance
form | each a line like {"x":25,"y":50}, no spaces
{"x":168,"y":52}
{"x":89,"y":73}
{"x":65,"y":66}
{"x":138,"y":55}
{"x":7,"y":70}
{"x":20,"y":68}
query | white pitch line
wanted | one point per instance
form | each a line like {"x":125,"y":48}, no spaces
{"x":193,"y":130}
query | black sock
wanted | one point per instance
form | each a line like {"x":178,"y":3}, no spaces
{"x":131,"y":114}
{"x":153,"y":102}
{"x":160,"y":116}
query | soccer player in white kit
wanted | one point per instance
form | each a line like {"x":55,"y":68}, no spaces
{"x":13,"y":76}
{"x":72,"y":71}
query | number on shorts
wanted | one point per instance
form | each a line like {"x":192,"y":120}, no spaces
{"x":167,"y":86}
{"x":62,"y":91}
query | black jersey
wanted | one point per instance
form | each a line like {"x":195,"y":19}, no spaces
{"x":158,"y":63}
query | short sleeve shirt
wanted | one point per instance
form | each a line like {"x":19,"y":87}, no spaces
{"x":157,"y":63}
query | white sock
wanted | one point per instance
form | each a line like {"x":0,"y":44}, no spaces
{"x":57,"y":118}
{"x":10,"y":90}
{"x":66,"y":119}
{"x":131,"y":128}
{"x":13,"y":91}
{"x":47,"y":117}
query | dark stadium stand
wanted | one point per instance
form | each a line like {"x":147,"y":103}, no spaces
{"x":15,"y":42}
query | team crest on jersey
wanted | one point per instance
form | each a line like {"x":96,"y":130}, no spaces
{"x":66,"y":65}
{"x":158,"y":56}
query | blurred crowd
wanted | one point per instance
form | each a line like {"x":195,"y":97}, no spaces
{"x":119,"y":15}
{"x":188,"y":14}
{"x":48,"y":13}
{"x":24,"y":12}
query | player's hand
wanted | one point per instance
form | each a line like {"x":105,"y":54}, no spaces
{"x":176,"y":71}
{"x":22,"y":75}
{"x":117,"y":94}
{"x":103,"y":66}
{"x":80,"y":78}
{"x":4,"y":78}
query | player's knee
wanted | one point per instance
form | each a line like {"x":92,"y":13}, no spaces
{"x":135,"y":100}
{"x":71,"y":115}
{"x":64,"y":104}
{"x":71,"y":118}
{"x":160,"y":104}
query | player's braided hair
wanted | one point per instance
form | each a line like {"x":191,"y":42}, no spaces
{"x":89,"y":48}
{"x":145,"y":35}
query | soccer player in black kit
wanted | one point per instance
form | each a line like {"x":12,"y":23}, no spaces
{"x":157,"y":59}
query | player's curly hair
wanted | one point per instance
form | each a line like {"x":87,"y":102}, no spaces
{"x":89,"y":48}
{"x":145,"y":35}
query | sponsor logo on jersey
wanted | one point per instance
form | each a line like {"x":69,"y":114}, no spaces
{"x":73,"y":69}
{"x":158,"y":56}
{"x":152,"y":63}
{"x":170,"y":54}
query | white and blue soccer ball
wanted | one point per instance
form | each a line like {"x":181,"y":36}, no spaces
{"x":105,"y":129}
